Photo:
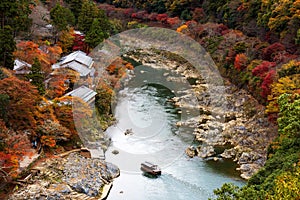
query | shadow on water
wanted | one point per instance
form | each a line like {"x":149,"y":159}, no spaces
{"x":224,"y":167}
{"x":151,"y":176}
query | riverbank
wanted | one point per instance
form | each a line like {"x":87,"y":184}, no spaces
{"x":71,"y":177}
{"x":239,"y":130}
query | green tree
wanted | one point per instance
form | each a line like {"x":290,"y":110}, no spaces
{"x":62,"y":17}
{"x":36,"y":76}
{"x":89,"y":12}
{"x":279,"y":178}
{"x":75,"y":7}
{"x":15,"y":14}
{"x":289,"y":118}
{"x":96,"y":34}
{"x":7,"y":47}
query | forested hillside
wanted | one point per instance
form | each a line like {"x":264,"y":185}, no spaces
{"x":254,"y":43}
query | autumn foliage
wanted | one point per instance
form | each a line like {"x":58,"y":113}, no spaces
{"x":57,"y":86}
{"x":266,"y":84}
{"x":270,"y":52}
{"x":117,"y":70}
{"x":13,"y":147}
{"x":28,"y":51}
{"x":240,"y":61}
{"x":262,"y":69}
{"x":23,"y":99}
{"x":52,"y":132}
{"x":78,"y":43}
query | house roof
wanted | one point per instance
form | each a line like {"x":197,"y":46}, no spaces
{"x":79,"y":57}
{"x":78,"y":61}
{"x":83,"y":92}
{"x":19,"y":64}
{"x":81,"y":69}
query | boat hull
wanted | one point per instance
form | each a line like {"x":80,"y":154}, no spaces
{"x":151,"y":171}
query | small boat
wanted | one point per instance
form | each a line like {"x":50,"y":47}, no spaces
{"x":150,"y":168}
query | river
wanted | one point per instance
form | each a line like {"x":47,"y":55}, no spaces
{"x":144,"y":105}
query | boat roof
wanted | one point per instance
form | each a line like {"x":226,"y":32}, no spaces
{"x":149,"y":164}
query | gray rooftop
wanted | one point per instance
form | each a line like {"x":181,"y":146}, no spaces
{"x":19,"y":64}
{"x":78,"y":61}
{"x":81,"y":69}
{"x":80,"y":57}
{"x":83,"y":92}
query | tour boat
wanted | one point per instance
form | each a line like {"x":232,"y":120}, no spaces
{"x":150,"y":168}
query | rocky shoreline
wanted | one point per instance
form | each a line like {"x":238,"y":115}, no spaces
{"x":70,"y":177}
{"x":237,"y":130}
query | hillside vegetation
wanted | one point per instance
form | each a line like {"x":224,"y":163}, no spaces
{"x":254,"y":43}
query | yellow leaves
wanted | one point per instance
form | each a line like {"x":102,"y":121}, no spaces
{"x":288,"y":84}
{"x":288,"y":185}
{"x":292,"y":67}
{"x":66,"y":40}
{"x":181,"y":28}
{"x":278,"y":22}
{"x":265,"y":2}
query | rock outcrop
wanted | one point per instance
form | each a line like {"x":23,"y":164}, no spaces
{"x":73,"y":177}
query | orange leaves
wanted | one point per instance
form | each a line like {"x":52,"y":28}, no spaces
{"x":111,"y":69}
{"x":57,"y":86}
{"x":54,"y":53}
{"x":181,"y":28}
{"x":48,"y":141}
{"x":240,"y":61}
{"x":65,"y":114}
{"x":28,"y":50}
{"x":9,"y":163}
{"x":118,"y":68}
{"x":17,"y":145}
{"x":129,"y":66}
{"x":53,"y":132}
{"x":22,"y":104}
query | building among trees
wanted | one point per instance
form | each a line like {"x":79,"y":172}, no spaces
{"x":77,"y":61}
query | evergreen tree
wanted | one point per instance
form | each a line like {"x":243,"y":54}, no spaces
{"x":15,"y":14}
{"x":75,"y":7}
{"x":96,"y":34}
{"x":62,"y":17}
{"x":88,"y":13}
{"x":36,"y":76}
{"x":7,"y":47}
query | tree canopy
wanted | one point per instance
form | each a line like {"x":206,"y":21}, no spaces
{"x":62,"y":17}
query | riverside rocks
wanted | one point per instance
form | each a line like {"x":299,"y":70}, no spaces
{"x":227,"y":116}
{"x":73,"y":177}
